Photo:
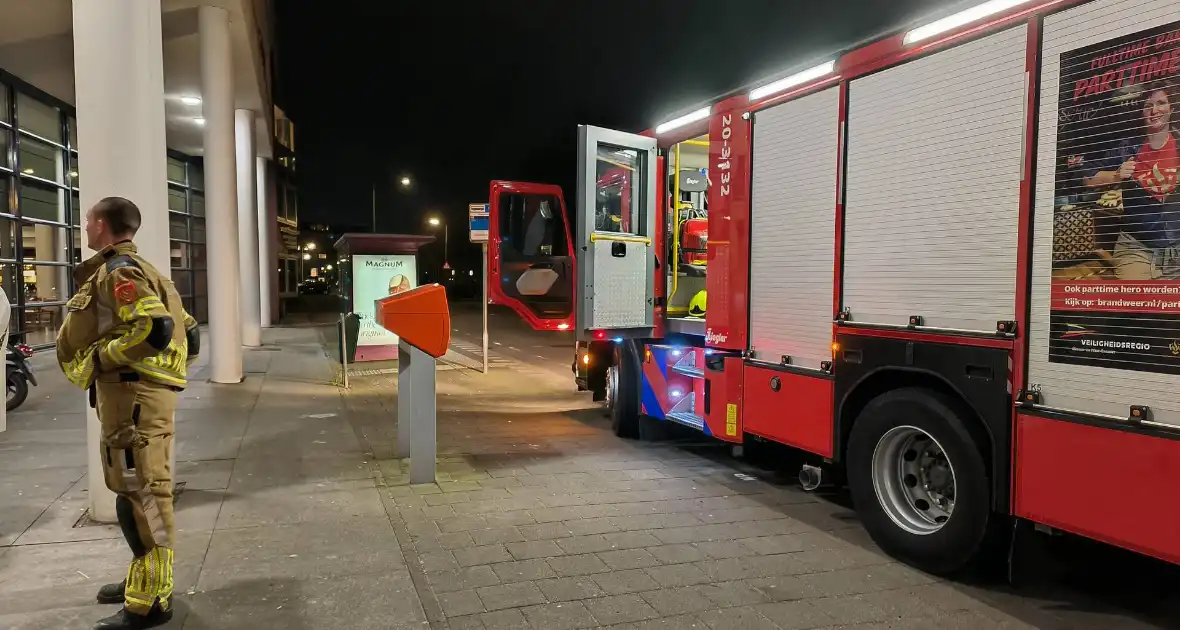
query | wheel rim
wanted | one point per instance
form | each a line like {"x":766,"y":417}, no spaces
{"x":914,"y":480}
{"x":11,"y":386}
{"x":612,"y":386}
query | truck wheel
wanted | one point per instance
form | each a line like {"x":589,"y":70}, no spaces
{"x":622,"y":390}
{"x":918,"y":480}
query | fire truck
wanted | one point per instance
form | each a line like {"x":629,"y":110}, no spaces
{"x":945,"y":264}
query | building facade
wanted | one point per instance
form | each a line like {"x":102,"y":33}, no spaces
{"x":41,"y":200}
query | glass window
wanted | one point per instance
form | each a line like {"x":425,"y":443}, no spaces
{"x":73,"y":130}
{"x":196,"y":176}
{"x":532,"y":226}
{"x":8,"y":276}
{"x":197,"y":201}
{"x":41,"y":201}
{"x":77,"y":245}
{"x":73,"y":172}
{"x":177,"y":226}
{"x":46,"y":243}
{"x":619,"y":195}
{"x":198,"y":256}
{"x":176,"y":171}
{"x":5,"y":185}
{"x":46,"y":283}
{"x":4,"y":106}
{"x":291,"y":209}
{"x":201,"y":312}
{"x":176,"y":200}
{"x":42,"y":323}
{"x":183,"y":279}
{"x":37,"y":117}
{"x":77,"y":211}
{"x":40,"y":159}
{"x":8,"y":242}
{"x":5,"y":147}
{"x":202,"y":282}
{"x":198,"y":230}
{"x":180,"y":255}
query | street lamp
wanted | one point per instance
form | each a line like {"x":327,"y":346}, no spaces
{"x":406,"y":181}
{"x":435,"y":222}
{"x":310,"y":247}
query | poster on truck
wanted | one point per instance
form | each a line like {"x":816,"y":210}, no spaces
{"x":1115,"y":285}
{"x":375,"y":277}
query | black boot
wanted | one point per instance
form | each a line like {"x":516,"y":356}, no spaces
{"x":124,"y":620}
{"x":112,"y":593}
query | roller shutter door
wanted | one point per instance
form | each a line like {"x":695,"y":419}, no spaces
{"x":933,"y":182}
{"x":793,"y":227}
{"x":1105,"y":311}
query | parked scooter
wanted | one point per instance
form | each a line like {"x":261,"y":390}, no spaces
{"x":18,"y":374}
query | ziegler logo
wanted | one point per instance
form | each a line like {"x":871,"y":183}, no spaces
{"x":723,"y":164}
{"x":712,"y":337}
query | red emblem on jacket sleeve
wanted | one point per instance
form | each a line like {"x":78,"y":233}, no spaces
{"x":125,"y":292}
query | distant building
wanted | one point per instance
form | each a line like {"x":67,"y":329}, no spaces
{"x":286,"y":214}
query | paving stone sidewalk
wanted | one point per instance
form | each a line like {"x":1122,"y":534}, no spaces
{"x":542,"y":518}
{"x":296,"y":515}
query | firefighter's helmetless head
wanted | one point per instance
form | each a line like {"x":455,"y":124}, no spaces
{"x":398,"y":284}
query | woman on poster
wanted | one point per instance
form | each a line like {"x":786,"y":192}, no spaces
{"x":1144,"y":167}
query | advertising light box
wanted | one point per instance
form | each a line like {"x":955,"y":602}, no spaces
{"x":376,"y":276}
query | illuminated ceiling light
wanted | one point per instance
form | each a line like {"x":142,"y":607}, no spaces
{"x":190,"y":100}
{"x":676,"y":123}
{"x":961,"y":18}
{"x":799,"y":78}
{"x":199,"y":120}
{"x":28,"y":171}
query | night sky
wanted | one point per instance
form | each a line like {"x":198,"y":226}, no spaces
{"x":457,"y":93}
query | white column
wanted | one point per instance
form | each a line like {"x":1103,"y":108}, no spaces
{"x":266,"y":251}
{"x":248,"y":228}
{"x":221,"y":199}
{"x":119,"y":83}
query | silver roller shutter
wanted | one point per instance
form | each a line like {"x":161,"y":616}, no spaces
{"x":933,"y":187}
{"x":792,"y":248}
{"x":1078,"y":364}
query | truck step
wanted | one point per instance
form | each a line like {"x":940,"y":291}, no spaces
{"x":690,"y":371}
{"x":688,"y":420}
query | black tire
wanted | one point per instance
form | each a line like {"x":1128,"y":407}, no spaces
{"x":624,"y":408}
{"x":17,"y":390}
{"x":958,"y":543}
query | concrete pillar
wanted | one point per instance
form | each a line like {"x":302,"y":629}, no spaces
{"x":248,"y":228}
{"x":119,"y":84}
{"x":266,"y":254}
{"x":221,"y":198}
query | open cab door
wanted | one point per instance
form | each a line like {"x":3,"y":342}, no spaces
{"x":530,"y":253}
{"x":616,"y":245}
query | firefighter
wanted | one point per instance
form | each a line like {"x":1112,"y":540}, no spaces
{"x":127,"y":339}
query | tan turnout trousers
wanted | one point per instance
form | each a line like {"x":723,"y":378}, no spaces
{"x":137,"y":432}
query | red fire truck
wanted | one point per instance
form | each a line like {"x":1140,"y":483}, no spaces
{"x":946,"y":264}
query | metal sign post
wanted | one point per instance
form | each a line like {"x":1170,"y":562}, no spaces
{"x":485,"y":308}
{"x":479,"y":221}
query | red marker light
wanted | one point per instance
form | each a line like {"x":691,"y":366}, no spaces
{"x":600,"y":335}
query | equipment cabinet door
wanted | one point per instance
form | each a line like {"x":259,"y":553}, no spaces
{"x":616,"y":219}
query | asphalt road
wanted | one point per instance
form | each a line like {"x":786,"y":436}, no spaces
{"x":511,"y":338}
